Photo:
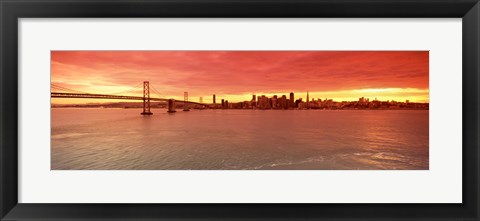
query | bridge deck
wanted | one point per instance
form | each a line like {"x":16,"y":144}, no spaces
{"x":108,"y":96}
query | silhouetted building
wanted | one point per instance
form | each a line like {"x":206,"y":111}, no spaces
{"x":274,"y":102}
{"x":308,"y":100}
{"x":283,"y":102}
{"x":214,"y":102}
{"x":263,"y":102}
{"x":298,"y":101}
{"x":292,"y":100}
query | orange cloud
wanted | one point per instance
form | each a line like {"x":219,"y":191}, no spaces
{"x":235,"y":75}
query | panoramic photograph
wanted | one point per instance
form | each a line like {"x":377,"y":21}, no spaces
{"x":239,"y":110}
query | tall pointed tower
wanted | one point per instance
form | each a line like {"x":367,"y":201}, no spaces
{"x":308,"y":100}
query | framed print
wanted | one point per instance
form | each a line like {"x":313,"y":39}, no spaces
{"x":247,"y":123}
{"x":239,"y":110}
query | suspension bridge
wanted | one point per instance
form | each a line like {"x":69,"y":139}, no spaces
{"x":63,"y":92}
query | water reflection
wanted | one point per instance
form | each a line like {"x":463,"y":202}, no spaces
{"x":239,"y":139}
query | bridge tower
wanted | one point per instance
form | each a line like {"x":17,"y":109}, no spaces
{"x":146,"y":98}
{"x":185,"y":101}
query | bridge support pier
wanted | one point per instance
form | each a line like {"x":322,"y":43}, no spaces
{"x":171,"y":106}
{"x":146,"y":98}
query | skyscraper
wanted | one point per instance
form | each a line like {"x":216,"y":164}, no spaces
{"x":274,"y":102}
{"x":214,"y":102}
{"x":262,"y":102}
{"x":308,"y":100}
{"x":292,"y":100}
{"x":283,"y":102}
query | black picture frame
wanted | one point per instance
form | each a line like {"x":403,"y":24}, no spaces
{"x":12,"y":10}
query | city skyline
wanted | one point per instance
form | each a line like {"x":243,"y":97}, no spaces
{"x":236,"y":75}
{"x":273,"y":102}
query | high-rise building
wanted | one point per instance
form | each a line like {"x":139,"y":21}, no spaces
{"x":223,"y":103}
{"x":254,"y":101}
{"x":291,"y":104}
{"x":262,"y":102}
{"x":274,"y":102}
{"x":214,"y":101}
{"x":308,"y":100}
{"x":297,"y":102}
{"x":283,"y":102}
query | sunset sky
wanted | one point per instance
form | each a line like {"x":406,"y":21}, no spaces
{"x":236,"y":75}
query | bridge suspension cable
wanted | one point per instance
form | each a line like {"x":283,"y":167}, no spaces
{"x":57,"y":87}
{"x":134,"y":88}
{"x":156,"y":92}
{"x":60,"y":88}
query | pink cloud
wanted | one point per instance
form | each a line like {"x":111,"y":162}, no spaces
{"x":237,"y":72}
